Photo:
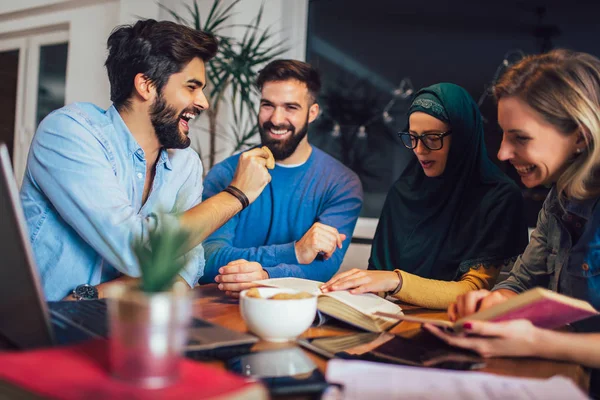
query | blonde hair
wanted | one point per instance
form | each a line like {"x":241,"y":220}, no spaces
{"x":563,"y":87}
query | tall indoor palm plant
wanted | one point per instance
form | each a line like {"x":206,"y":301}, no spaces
{"x":232,"y":72}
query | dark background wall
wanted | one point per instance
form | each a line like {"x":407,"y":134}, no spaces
{"x":366,"y":49}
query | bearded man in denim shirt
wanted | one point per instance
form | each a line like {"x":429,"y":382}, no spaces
{"x":96,"y":179}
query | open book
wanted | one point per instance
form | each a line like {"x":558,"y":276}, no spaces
{"x":544,"y":308}
{"x":356,"y":309}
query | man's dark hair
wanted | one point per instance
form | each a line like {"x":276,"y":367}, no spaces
{"x":155,"y":49}
{"x":283,"y":70}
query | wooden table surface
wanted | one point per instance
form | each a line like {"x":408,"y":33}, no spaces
{"x":213,"y":306}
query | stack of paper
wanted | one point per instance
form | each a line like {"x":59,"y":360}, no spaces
{"x":367,"y":380}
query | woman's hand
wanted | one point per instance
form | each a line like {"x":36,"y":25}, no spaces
{"x":363,"y":281}
{"x":471,"y":302}
{"x":517,"y":338}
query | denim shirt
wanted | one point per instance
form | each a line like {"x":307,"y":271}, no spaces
{"x":82,"y":198}
{"x":552,"y":261}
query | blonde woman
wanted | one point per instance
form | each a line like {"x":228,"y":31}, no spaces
{"x":549,"y":111}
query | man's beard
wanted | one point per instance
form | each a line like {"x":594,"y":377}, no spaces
{"x":282,"y":149}
{"x":165,"y":121}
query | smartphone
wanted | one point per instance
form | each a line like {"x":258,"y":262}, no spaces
{"x":421,"y":351}
{"x":285,"y":372}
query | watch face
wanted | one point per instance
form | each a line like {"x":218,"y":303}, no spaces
{"x":87,"y":292}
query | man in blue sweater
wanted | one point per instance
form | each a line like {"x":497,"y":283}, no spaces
{"x":301,"y":225}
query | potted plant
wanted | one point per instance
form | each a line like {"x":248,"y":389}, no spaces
{"x":149,"y":317}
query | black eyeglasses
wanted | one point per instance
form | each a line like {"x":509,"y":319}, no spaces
{"x":433,"y":141}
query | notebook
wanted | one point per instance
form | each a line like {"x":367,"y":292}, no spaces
{"x":544,"y":308}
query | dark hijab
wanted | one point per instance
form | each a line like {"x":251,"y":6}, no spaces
{"x":472,"y":214}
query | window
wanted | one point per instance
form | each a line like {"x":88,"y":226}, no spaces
{"x":33,"y":69}
{"x":371,"y":57}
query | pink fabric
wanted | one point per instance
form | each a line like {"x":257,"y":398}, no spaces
{"x":82,"y":372}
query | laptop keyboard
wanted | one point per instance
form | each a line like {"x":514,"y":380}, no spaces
{"x":64,"y":333}
{"x":89,"y":314}
{"x":220,"y":353}
{"x":92,"y":315}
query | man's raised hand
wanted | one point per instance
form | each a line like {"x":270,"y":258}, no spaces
{"x":320,"y":238}
{"x":251,"y":175}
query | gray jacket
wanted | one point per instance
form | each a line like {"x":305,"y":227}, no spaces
{"x":552,"y":261}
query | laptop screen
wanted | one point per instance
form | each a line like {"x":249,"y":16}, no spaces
{"x":23,"y":315}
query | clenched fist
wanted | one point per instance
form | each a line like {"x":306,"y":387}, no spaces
{"x":251,"y":175}
{"x":320,"y":238}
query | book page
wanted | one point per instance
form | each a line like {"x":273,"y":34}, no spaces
{"x":420,"y":320}
{"x":368,"y":380}
{"x":301,"y":285}
{"x":367,"y":303}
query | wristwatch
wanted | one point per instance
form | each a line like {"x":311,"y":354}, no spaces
{"x":85,"y":292}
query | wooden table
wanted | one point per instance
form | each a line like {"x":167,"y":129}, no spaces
{"x":213,"y":306}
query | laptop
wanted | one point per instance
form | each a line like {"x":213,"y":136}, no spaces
{"x":28,"y":321}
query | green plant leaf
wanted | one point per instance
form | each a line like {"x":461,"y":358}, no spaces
{"x":217,"y":16}
{"x":161,"y":257}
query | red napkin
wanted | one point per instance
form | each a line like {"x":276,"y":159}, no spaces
{"x":82,"y":372}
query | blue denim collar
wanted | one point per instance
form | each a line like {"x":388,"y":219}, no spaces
{"x":581,"y":208}
{"x":164,"y":159}
{"x":133,"y":146}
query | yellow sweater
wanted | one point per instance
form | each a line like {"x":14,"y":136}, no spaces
{"x":431,"y":293}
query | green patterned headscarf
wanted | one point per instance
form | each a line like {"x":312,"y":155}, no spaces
{"x":429,"y":104}
{"x":470,"y":215}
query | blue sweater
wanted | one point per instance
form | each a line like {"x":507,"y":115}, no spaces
{"x":320,"y":190}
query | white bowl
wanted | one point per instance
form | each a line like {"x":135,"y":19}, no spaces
{"x":277,"y":320}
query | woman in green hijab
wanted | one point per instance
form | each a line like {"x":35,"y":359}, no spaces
{"x":452,"y":220}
